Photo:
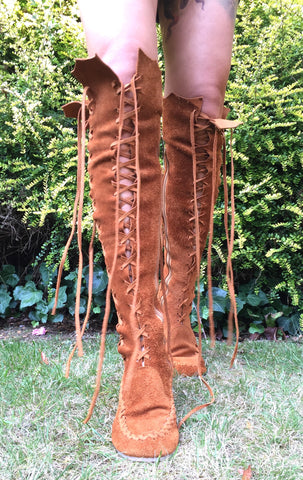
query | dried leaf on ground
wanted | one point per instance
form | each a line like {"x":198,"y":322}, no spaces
{"x":44,"y":358}
{"x":39,"y":331}
{"x":246,"y":474}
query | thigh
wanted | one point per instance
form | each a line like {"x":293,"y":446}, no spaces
{"x":197,"y":41}
{"x":116,"y":29}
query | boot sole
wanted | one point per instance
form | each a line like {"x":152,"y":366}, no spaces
{"x":145,"y":459}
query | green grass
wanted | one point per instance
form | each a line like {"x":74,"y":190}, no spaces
{"x":256,"y":420}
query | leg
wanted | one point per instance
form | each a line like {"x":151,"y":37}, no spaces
{"x":197,"y":45}
{"x":125,"y":186}
{"x":198,"y":50}
{"x":115,"y":30}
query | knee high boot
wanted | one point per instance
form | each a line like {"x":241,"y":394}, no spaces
{"x":125,"y":187}
{"x":193,"y":144}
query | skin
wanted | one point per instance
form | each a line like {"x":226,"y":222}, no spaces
{"x":116,"y":29}
{"x":197,"y":41}
{"x":197,"y":51}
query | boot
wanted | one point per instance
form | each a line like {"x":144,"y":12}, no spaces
{"x":125,"y":187}
{"x":193,"y":144}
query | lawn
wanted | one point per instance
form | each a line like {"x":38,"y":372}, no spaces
{"x":256,"y":419}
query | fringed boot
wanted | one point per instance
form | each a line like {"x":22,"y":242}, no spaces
{"x":125,"y":187}
{"x":193,"y":144}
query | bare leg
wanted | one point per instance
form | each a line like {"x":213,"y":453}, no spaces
{"x":116,"y":29}
{"x":197,"y":42}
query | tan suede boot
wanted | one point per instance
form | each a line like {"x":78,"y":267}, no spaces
{"x":125,"y":186}
{"x":193,"y":144}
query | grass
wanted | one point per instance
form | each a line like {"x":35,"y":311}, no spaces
{"x":256,"y":420}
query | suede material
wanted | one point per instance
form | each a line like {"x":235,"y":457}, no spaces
{"x":180,"y":261}
{"x":145,"y":423}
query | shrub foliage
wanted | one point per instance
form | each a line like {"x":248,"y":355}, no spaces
{"x":265,"y":92}
{"x":39,"y":41}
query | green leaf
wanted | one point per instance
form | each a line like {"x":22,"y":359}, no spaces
{"x":37,"y":317}
{"x":5,"y":299}
{"x":240,"y":304}
{"x":256,"y":328}
{"x":28,"y":295}
{"x":290,"y":324}
{"x":245,"y":289}
{"x":13,"y":304}
{"x":219,"y":292}
{"x":253,"y":299}
{"x":263,"y":298}
{"x":42,"y":311}
{"x":58,"y":318}
{"x":287,"y":310}
{"x":71,"y":298}
{"x":45,"y":274}
{"x":33,"y":316}
{"x":276,"y":315}
{"x":12,"y":280}
{"x":82,"y":308}
{"x":256,"y":316}
{"x":72,"y":276}
{"x":204,"y":313}
{"x":99,"y":300}
{"x":42,"y":307}
{"x":62,"y":298}
{"x":100,"y":279}
{"x":8,"y":275}
{"x":220,"y":300}
{"x":256,"y":300}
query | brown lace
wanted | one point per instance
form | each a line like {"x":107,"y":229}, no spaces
{"x":197,"y":232}
{"x":219,"y":125}
{"x":197,"y":180}
{"x":164,"y":248}
{"x":90,"y":296}
{"x":77,"y":219}
{"x":230,"y":242}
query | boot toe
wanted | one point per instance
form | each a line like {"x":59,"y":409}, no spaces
{"x":149,"y":446}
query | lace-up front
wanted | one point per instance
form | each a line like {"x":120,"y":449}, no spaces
{"x":192,"y":177}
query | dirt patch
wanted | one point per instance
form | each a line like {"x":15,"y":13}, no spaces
{"x":21,"y":328}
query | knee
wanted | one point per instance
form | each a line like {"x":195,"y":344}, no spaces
{"x":213,"y":99}
{"x":212,"y":93}
{"x":121,"y":57}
